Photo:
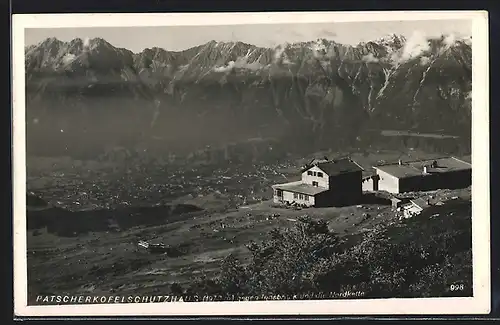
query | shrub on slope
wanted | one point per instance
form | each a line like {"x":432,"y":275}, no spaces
{"x":420,"y":257}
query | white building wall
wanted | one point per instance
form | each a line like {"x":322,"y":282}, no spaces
{"x":287,"y":196}
{"x":309,"y":179}
{"x":294,"y":197}
{"x":387,"y":182}
{"x":367,"y":185}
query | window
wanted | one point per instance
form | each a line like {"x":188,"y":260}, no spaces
{"x":309,"y":173}
{"x":315,"y":184}
{"x":301,"y":196}
{"x":295,"y":195}
{"x":306,"y":197}
{"x":320,"y":174}
{"x":314,"y":173}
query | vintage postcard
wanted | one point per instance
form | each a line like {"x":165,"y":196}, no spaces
{"x":251,"y":164}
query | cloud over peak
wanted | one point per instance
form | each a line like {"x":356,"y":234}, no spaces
{"x":240,"y":63}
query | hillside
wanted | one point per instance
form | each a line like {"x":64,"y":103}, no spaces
{"x":256,"y":251}
{"x":427,"y":256}
{"x":86,"y":96}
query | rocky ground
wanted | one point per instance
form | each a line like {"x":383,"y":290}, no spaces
{"x":85,"y":239}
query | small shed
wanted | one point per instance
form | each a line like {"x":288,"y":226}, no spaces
{"x":415,"y":207}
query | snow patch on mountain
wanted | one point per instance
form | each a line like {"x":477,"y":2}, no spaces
{"x":240,"y":63}
{"x":370,"y":58}
{"x":279,"y":50}
{"x":86,"y":42}
{"x":68,"y":58}
{"x":424,"y":60}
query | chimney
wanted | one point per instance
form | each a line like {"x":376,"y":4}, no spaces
{"x":400,"y":162}
{"x":425,"y":169}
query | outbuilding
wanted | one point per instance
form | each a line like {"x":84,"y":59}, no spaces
{"x":416,"y":176}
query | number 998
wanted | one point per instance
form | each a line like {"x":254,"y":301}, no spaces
{"x":456,"y":287}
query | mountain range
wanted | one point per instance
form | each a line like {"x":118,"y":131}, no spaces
{"x":87,"y":95}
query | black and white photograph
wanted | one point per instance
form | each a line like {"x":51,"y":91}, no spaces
{"x":225,"y":164}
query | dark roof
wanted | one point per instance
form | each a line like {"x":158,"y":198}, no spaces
{"x":415,"y":168}
{"x":299,"y":187}
{"x":371,"y":176}
{"x":336,"y":167}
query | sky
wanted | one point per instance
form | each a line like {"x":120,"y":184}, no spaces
{"x":177,"y":38}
